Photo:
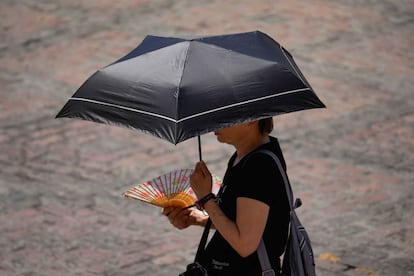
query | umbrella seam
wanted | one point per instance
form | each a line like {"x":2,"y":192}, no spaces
{"x":179,"y":86}
{"x":291,"y":65}
{"x":191,"y":116}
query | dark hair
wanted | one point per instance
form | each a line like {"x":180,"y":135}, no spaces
{"x":266,"y":125}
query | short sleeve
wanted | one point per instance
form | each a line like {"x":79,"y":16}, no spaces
{"x":261,"y":180}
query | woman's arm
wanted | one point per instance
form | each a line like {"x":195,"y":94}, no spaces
{"x":245,"y":233}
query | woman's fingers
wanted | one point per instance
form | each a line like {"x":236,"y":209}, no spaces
{"x":204,"y":169}
{"x":201,"y":171}
{"x":178,"y":217}
{"x":201,"y":180}
{"x":197,"y":170}
{"x":167,"y":210}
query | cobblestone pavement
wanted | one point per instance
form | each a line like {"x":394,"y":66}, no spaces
{"x":61,"y":210}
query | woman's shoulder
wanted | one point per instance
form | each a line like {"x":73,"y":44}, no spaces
{"x":263,"y":154}
{"x":259,"y":160}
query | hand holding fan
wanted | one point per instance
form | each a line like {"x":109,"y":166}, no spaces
{"x":170,"y":189}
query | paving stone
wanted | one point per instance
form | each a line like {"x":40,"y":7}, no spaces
{"x":61,"y":209}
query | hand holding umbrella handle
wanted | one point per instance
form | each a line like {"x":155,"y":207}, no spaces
{"x":201,"y":180}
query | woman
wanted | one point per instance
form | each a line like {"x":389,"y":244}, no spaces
{"x":252,"y":203}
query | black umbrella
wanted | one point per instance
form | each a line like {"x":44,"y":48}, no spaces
{"x":179,"y":87}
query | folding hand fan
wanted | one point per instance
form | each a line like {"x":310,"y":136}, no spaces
{"x":171,"y":189}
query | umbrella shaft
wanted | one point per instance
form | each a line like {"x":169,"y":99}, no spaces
{"x":199,"y":147}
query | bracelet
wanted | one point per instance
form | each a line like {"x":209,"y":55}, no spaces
{"x":201,"y":202}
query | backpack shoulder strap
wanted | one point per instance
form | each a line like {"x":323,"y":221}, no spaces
{"x":288,"y":188}
{"x":203,"y":241}
{"x":267,"y":269}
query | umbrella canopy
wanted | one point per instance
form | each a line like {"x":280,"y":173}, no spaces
{"x":179,"y":87}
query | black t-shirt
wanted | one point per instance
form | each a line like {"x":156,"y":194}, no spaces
{"x":257,"y":177}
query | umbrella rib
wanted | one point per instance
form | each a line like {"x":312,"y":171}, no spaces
{"x":191,"y":116}
{"x":123,"y":107}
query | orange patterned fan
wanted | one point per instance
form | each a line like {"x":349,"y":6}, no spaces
{"x":171,"y":189}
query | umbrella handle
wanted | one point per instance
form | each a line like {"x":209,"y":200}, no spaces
{"x":199,"y":147}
